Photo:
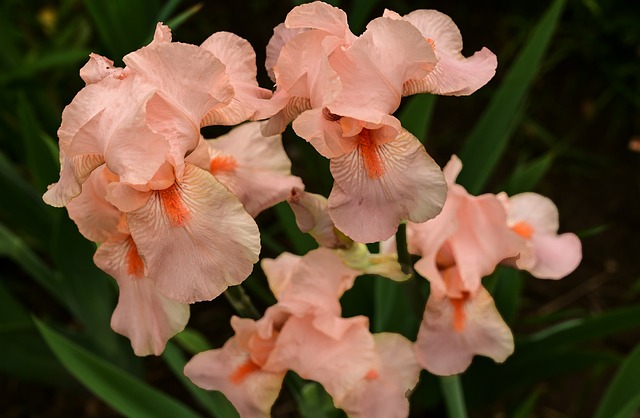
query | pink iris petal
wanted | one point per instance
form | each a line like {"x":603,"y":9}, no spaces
{"x":312,"y":217}
{"x":144,"y":315}
{"x":322,"y":16}
{"x":255,"y":168}
{"x":316,"y":280}
{"x":281,"y":35}
{"x":444,"y":350}
{"x":303,"y":68}
{"x":472,"y":231}
{"x":378,"y":186}
{"x":97,"y":219}
{"x":322,"y":130}
{"x":556,"y":256}
{"x":375,"y":67}
{"x":249,"y":101}
{"x":195,"y":237}
{"x":547,"y":254}
{"x":230,"y":370}
{"x":98,"y":68}
{"x":383,"y":391}
{"x":454,"y":74}
{"x":338,"y":364}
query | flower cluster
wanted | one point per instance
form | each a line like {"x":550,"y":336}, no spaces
{"x":173,"y":213}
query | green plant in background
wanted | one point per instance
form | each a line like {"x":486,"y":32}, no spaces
{"x":55,"y":310}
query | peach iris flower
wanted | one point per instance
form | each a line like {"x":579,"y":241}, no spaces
{"x":143,"y":123}
{"x":546,"y":255}
{"x":458,"y":248}
{"x":366,"y":375}
{"x":340,"y":92}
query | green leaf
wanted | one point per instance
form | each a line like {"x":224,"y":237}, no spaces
{"x":622,"y":399}
{"x":89,"y":292}
{"x":123,"y":25}
{"x":13,"y":247}
{"x":23,"y":352}
{"x":417,"y":113}
{"x":507,"y":291}
{"x":315,"y":402}
{"x":43,"y":165}
{"x":213,"y":401}
{"x":487,"y":142}
{"x":126,"y":394}
{"x":526,"y":176}
{"x":24,"y":211}
{"x":525,"y":410}
{"x":582,"y":330}
{"x":192,"y":341}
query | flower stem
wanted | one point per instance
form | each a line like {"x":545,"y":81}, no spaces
{"x":453,"y":396}
{"x":403,"y":251}
{"x":240,"y":301}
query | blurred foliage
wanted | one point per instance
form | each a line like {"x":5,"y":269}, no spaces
{"x":557,"y":119}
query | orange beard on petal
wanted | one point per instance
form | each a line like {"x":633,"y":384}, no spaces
{"x":523,"y":229}
{"x":222,"y":164}
{"x":174,"y":206}
{"x":371,"y":375}
{"x":243,"y":371}
{"x":135,"y":265}
{"x":370,"y":155}
{"x":459,"y":315}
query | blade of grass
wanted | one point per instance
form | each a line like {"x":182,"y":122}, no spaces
{"x":487,"y":142}
{"x":126,"y":394}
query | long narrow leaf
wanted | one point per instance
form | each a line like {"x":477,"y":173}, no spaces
{"x":126,"y":394}
{"x":488,"y":140}
{"x":622,"y":399}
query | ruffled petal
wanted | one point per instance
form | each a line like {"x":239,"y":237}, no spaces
{"x":230,"y":370}
{"x":143,"y":315}
{"x":195,"y":238}
{"x":337,"y":364}
{"x":377,"y":187}
{"x":249,"y":101}
{"x":281,"y":35}
{"x":255,"y":168}
{"x":303,"y":69}
{"x":98,"y":68}
{"x":319,"y":128}
{"x":375,"y":67}
{"x":453,"y":74}
{"x":322,"y":16}
{"x":444,"y":350}
{"x":555,"y":255}
{"x":191,"y":77}
{"x":97,"y":219}
{"x":383,"y":392}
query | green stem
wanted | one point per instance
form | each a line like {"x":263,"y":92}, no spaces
{"x":453,"y":396}
{"x":403,"y":251}
{"x":240,"y":301}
